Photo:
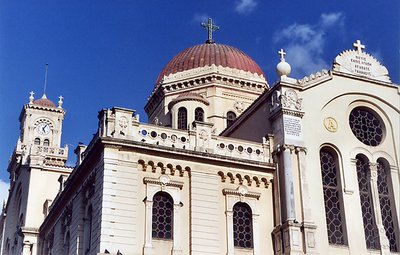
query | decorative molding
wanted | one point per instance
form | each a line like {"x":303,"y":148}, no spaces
{"x":163,"y":181}
{"x":318,"y":76}
{"x":241,"y":191}
{"x":360,"y":63}
{"x":290,"y":100}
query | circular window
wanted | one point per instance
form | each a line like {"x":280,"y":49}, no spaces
{"x":153,"y":134}
{"x":366,"y":126}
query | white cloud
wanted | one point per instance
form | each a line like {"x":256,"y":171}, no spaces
{"x":329,"y":19}
{"x":245,"y":6}
{"x":3,"y":191}
{"x":305,"y":43}
{"x":200,"y":17}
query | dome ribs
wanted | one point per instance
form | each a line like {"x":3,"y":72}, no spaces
{"x":208,"y":54}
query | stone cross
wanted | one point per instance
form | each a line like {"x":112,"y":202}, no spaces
{"x":31,"y":98}
{"x":60,"y":102}
{"x":282,"y":54}
{"x":210,"y":27}
{"x":358,"y":46}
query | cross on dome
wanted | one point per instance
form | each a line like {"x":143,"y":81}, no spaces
{"x":358,"y":46}
{"x":210,"y":27}
{"x":282,"y":54}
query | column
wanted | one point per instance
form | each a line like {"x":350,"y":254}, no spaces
{"x":177,"y":249}
{"x":26,"y":248}
{"x":256,"y":235}
{"x":289,"y":212}
{"x":290,"y":229}
{"x":308,"y":222}
{"x":229,"y":224}
{"x":385,"y":248}
{"x":148,"y":231}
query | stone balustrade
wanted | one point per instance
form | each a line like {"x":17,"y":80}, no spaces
{"x":121,"y":123}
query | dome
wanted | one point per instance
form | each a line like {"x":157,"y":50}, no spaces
{"x":207,"y":54}
{"x":44,"y":102}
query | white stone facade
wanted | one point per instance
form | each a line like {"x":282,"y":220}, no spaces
{"x":262,"y":186}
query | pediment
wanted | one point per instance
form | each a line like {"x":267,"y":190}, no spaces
{"x":362,"y":64}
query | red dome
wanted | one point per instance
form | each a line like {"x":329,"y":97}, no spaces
{"x":44,"y":102}
{"x":207,"y":54}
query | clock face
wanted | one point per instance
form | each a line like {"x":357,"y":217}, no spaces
{"x":43,"y":129}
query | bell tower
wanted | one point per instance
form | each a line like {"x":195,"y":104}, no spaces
{"x":35,"y":167}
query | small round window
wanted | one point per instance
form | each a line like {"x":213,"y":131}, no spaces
{"x":366,"y":126}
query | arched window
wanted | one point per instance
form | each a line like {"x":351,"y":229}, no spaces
{"x":230,"y":118}
{"x":242,"y":225}
{"x":66,"y":244}
{"x":364,"y":186}
{"x":163,"y":212}
{"x":332,"y":197}
{"x":37,"y":141}
{"x":46,"y":142}
{"x":385,"y":200}
{"x":182,"y":118}
{"x":199,"y":114}
{"x":88,"y":228}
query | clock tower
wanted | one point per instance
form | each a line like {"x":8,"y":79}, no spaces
{"x":37,"y":173}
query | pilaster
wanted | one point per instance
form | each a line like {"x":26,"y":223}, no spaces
{"x":385,"y":247}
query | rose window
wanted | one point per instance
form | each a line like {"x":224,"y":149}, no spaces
{"x":366,"y":126}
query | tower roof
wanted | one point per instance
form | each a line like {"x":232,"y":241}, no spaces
{"x":208,"y":54}
{"x":44,"y":102}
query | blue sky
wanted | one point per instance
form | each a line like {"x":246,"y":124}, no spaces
{"x":108,"y":53}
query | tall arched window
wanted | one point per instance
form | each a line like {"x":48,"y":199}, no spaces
{"x":163,"y":216}
{"x":88,"y":229}
{"x":230,"y":118}
{"x":242,"y":225}
{"x":385,"y":191}
{"x":66,"y":244}
{"x":182,"y":118}
{"x":199,"y":114}
{"x":364,"y":186}
{"x":37,"y":141}
{"x":332,"y":197}
{"x":46,"y":142}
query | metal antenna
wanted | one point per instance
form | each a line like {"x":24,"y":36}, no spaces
{"x":45,"y":80}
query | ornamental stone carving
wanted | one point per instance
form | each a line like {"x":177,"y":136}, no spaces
{"x":290,"y":100}
{"x":239,"y":106}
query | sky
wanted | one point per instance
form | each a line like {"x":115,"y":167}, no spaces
{"x":105,"y":53}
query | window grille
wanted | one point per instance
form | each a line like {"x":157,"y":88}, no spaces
{"x":242,"y":226}
{"x":366,"y":126}
{"x":333,"y":213}
{"x":199,"y":114}
{"x":230,"y":118}
{"x":182,"y":118}
{"x":163,"y":212}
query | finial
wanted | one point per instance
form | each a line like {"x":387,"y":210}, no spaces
{"x":358,"y":46}
{"x":283,"y":68}
{"x":45,"y":81}
{"x":60,"y":102}
{"x":31,"y":98}
{"x":210,"y":27}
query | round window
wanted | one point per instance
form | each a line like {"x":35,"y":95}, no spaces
{"x":366,"y":126}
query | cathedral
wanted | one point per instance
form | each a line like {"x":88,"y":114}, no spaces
{"x":227,"y":164}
